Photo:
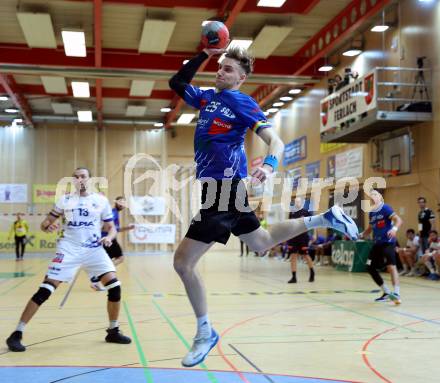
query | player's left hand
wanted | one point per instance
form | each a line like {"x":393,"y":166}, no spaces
{"x":106,"y":241}
{"x":391,"y":234}
{"x":260,"y":174}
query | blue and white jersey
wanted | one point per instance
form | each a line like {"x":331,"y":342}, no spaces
{"x":83,"y":218}
{"x":219,"y":138}
{"x":380,"y":221}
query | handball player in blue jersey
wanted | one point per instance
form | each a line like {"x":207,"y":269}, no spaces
{"x":225,"y":116}
{"x":384,"y":223}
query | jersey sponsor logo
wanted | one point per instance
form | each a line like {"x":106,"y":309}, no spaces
{"x":58,"y":258}
{"x":380,"y":224}
{"x":79,"y":224}
{"x":202,"y":122}
{"x":219,"y":127}
{"x":227,"y":112}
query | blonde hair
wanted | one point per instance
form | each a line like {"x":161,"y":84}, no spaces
{"x":244,"y":58}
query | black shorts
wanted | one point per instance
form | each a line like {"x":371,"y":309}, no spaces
{"x":225,"y":210}
{"x":114,"y":251}
{"x":382,"y":254}
{"x":300,"y":247}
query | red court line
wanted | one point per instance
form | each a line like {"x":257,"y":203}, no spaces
{"x":372,"y":339}
{"x":240,"y":373}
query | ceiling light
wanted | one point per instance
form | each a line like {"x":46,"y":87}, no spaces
{"x":17,"y":121}
{"x":185,"y":118}
{"x":240,"y":43}
{"x":80,"y":89}
{"x":266,"y":113}
{"x":271,"y":3}
{"x":278,"y":104}
{"x":74,"y":43}
{"x":158,"y":124}
{"x":286,"y":98}
{"x":273,"y":110}
{"x":352,"y":52}
{"x":85,"y":116}
{"x":11,"y":110}
{"x":325,"y":68}
{"x":294,"y":91}
{"x":379,"y":28}
{"x":165,"y":110}
{"x":4,"y":98}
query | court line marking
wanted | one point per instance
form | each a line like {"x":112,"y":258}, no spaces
{"x":176,"y":331}
{"x":371,"y":340}
{"x":250,"y":362}
{"x":139,"y":349}
{"x":307,"y":296}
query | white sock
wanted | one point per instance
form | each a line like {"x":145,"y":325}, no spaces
{"x":405,"y":268}
{"x":385,"y":289}
{"x":397,"y":289}
{"x":20,"y":326}
{"x":203,"y":326}
{"x":315,"y":221}
{"x":113,"y":324}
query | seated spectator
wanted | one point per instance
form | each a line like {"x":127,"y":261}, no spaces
{"x":431,"y":254}
{"x":409,"y":254}
{"x":325,"y":249}
{"x":315,"y":248}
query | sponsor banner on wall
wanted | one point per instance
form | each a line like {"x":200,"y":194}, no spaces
{"x":147,"y":205}
{"x":37,"y":242}
{"x":295,"y":151}
{"x":349,"y":163}
{"x":326,"y":147}
{"x":44,"y":193}
{"x":313,"y":170}
{"x":153,"y":233}
{"x":348,"y":102}
{"x":331,"y":166}
{"x":13,"y":193}
{"x":295,"y":175}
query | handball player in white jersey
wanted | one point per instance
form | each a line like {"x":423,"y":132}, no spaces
{"x":81,"y":246}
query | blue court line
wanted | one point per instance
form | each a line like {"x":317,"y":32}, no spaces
{"x":47,"y":374}
{"x":415,"y":317}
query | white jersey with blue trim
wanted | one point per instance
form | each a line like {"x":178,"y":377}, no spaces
{"x":83,"y":218}
{"x":224,"y":119}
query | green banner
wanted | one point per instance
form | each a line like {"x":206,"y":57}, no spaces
{"x":36,"y":242}
{"x":351,"y":256}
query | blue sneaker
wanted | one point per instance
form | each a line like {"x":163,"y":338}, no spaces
{"x":434,"y":277}
{"x":200,"y":350}
{"x":341,"y":222}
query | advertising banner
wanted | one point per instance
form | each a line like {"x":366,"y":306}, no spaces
{"x":153,"y":233}
{"x":349,"y":102}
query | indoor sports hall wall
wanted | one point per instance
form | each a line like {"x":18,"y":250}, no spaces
{"x":417,"y":34}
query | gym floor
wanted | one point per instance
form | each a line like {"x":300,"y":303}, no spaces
{"x":331,"y":330}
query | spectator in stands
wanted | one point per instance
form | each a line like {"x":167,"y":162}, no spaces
{"x":410,"y":253}
{"x":324,"y":248}
{"x":430,"y":256}
{"x":426,"y":219}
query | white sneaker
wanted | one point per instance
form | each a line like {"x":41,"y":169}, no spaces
{"x":200,"y":349}
{"x":341,"y":222}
